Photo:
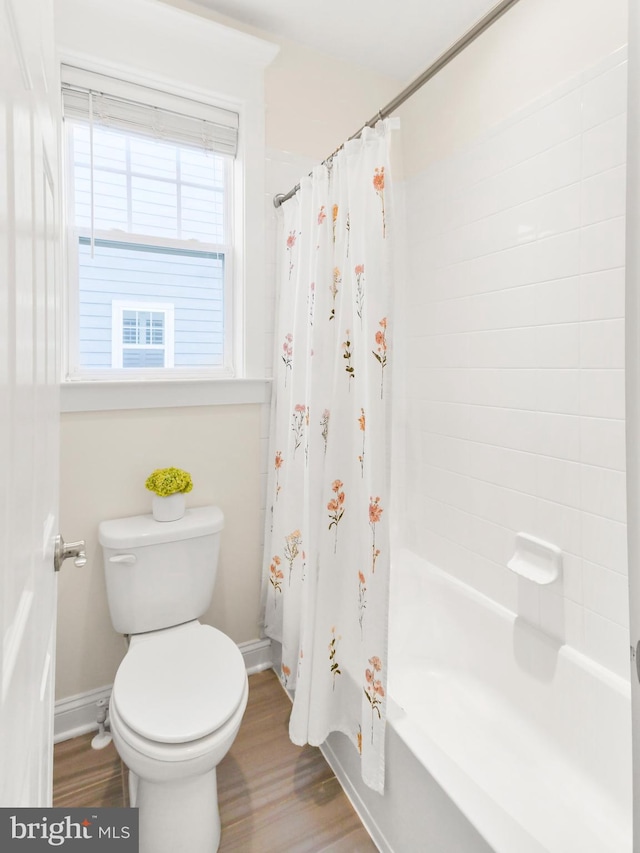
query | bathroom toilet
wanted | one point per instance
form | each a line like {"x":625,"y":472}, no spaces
{"x":180,"y":693}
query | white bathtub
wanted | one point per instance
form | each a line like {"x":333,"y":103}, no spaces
{"x":499,"y":738}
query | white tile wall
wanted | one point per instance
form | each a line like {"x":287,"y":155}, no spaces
{"x":515,"y":359}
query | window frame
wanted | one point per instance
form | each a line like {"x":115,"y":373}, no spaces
{"x":215,"y":65}
{"x":234,"y":331}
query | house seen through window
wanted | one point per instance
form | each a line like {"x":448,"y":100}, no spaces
{"x":149,"y":239}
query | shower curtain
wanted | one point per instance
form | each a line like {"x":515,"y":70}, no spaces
{"x":326,"y":573}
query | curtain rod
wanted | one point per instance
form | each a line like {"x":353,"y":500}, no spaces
{"x":444,"y":59}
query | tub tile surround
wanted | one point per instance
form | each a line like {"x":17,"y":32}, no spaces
{"x":515,"y":359}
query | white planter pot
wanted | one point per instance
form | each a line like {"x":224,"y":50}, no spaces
{"x":170,"y":508}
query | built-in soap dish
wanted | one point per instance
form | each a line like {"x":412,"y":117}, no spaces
{"x":535,"y":559}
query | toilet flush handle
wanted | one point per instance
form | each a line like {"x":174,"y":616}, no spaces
{"x":123,"y":558}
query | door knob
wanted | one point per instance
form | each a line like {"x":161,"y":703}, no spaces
{"x":65,"y":550}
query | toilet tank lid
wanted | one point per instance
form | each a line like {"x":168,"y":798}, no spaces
{"x":140,"y":530}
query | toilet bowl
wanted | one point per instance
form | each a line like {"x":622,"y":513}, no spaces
{"x":172,"y":732}
{"x":181,"y":690}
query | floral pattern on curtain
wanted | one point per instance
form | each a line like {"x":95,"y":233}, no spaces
{"x":327,"y":532}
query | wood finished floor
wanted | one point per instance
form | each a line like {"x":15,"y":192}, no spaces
{"x":274,"y":797}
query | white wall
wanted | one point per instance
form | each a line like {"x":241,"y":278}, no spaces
{"x":106,"y":455}
{"x":529,"y":51}
{"x":313,"y":101}
{"x":515,"y":316}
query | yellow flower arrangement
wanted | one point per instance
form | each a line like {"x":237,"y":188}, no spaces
{"x":168,"y":481}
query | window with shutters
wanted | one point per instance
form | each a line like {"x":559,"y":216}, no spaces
{"x":149,"y":232}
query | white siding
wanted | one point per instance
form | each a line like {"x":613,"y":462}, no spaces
{"x":193,"y":282}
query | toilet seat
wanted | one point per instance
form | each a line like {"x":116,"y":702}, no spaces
{"x":188,"y":754}
{"x":179,"y":684}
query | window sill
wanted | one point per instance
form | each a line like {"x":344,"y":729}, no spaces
{"x":111,"y":396}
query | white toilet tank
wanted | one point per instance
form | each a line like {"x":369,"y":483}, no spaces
{"x":160,"y":573}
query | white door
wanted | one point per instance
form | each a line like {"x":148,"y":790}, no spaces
{"x":29,"y":410}
{"x":632,"y":364}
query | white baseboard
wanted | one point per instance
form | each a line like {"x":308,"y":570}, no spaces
{"x":78,"y":714}
{"x":257,"y":655}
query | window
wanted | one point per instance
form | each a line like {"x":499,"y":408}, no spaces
{"x":149,"y":225}
{"x":142,"y":334}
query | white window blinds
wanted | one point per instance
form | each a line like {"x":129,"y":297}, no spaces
{"x":96,"y":99}
{"x":149,"y":229}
